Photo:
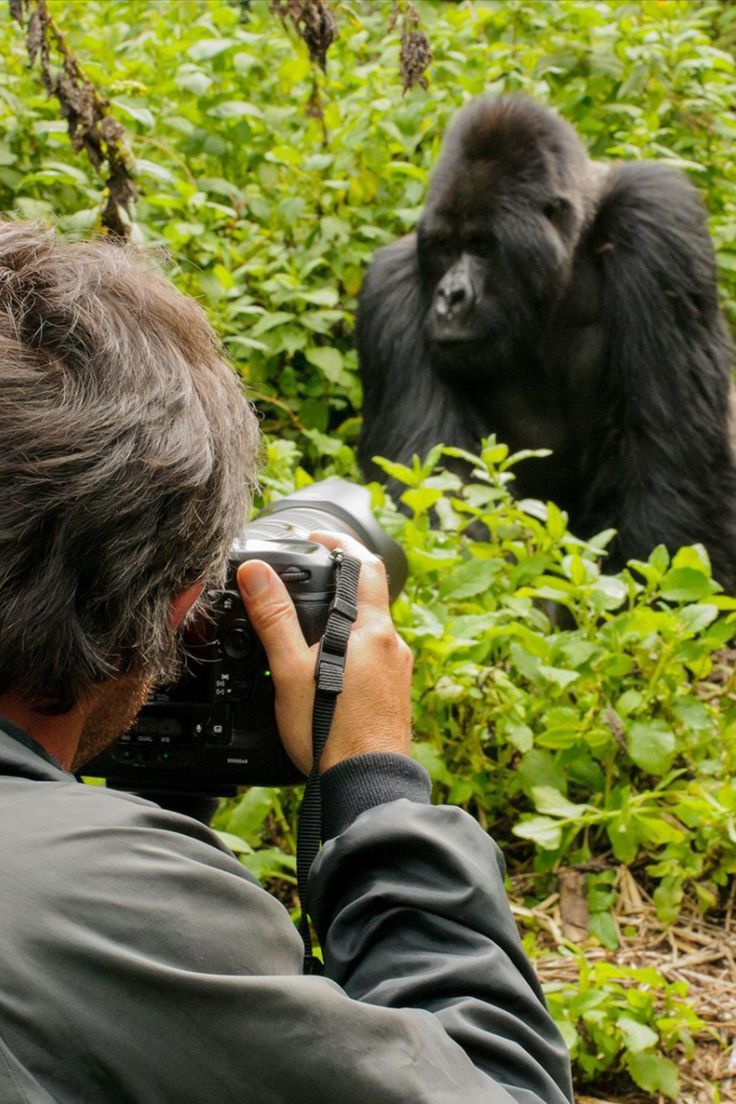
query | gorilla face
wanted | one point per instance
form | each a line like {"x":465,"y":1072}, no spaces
{"x":497,"y":235}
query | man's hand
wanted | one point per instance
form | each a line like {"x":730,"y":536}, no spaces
{"x":374,"y":710}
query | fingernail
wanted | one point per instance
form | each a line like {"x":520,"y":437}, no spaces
{"x":254,"y":578}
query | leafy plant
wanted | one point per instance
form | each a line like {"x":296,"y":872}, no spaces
{"x":626,"y":1018}
{"x":615,"y":734}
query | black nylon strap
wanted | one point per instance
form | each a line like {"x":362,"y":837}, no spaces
{"x":329,"y":678}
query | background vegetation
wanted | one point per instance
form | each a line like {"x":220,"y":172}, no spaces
{"x":609,"y":744}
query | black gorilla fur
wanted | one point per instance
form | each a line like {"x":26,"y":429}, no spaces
{"x":564,"y":304}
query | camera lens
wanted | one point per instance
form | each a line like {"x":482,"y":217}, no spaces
{"x":331,"y":504}
{"x":237,"y":641}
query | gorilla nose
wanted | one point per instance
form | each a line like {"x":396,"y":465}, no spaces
{"x":454,"y":299}
{"x":448,"y":301}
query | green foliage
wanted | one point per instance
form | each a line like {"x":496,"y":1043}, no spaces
{"x":611,"y":729}
{"x":607,"y":730}
{"x":272,"y":213}
{"x":619,"y":1017}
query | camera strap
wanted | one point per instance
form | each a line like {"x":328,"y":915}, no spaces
{"x":328,"y":675}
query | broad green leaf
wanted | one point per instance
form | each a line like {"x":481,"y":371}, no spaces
{"x":654,"y":1073}
{"x":421,"y":499}
{"x":698,"y":617}
{"x":431,"y":759}
{"x":520,"y":735}
{"x":542,"y":830}
{"x":269,"y":863}
{"x":637,"y":1036}
{"x":327,"y":359}
{"x":135,"y":110}
{"x":470,"y":578}
{"x":559,"y":675}
{"x":686,"y":584}
{"x":603,"y":927}
{"x":235,"y":109}
{"x":246,"y":820}
{"x":652,"y":745}
{"x":396,"y":471}
{"x":624,"y":837}
{"x":207,"y":48}
{"x":549,"y":800}
{"x":237,"y":845}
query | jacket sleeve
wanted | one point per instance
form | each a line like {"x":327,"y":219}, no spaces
{"x":185,"y":980}
{"x":412,"y":914}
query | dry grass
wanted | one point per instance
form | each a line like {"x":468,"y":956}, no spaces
{"x":699,"y":951}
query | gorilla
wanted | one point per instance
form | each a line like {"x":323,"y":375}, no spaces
{"x":564,"y":304}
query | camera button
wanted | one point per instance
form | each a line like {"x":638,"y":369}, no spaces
{"x":237,"y":640}
{"x":217,"y":728}
{"x":294,"y":574}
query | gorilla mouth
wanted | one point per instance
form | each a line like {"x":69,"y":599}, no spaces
{"x":455,"y":339}
{"x":451,"y":335}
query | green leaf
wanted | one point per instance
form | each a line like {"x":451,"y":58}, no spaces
{"x":624,"y":837}
{"x":270,"y":862}
{"x":248,"y":817}
{"x":431,"y":759}
{"x":270,"y":322}
{"x":136,"y":110}
{"x":237,"y":845}
{"x":235,"y":109}
{"x":652,"y":745}
{"x":543,"y":831}
{"x":698,"y":617}
{"x":559,"y":675}
{"x":421,"y":499}
{"x":549,"y":800}
{"x":637,"y":1036}
{"x":654,"y":1073}
{"x":603,"y":927}
{"x":686,"y":584}
{"x":320,"y":297}
{"x":407,"y":168}
{"x":520,"y":735}
{"x":208,"y":48}
{"x":470,"y":578}
{"x":396,"y":471}
{"x":328,"y":360}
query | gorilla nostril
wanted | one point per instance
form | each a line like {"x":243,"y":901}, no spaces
{"x":454,"y":300}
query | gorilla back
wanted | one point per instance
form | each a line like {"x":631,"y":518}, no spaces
{"x":564,"y":304}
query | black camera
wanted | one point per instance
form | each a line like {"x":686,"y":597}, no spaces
{"x":215,"y":729}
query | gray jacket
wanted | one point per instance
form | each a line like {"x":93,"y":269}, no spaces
{"x":142,"y":963}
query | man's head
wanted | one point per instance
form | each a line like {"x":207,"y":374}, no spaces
{"x":127,"y":457}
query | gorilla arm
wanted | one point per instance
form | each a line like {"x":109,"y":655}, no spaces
{"x":406,"y":408}
{"x":662,"y":465}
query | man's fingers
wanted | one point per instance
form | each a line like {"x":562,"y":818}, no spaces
{"x":272,"y":614}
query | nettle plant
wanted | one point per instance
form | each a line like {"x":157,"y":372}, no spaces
{"x":607,"y":730}
{"x":618,"y":1017}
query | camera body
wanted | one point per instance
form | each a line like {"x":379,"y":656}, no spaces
{"x":215,"y":728}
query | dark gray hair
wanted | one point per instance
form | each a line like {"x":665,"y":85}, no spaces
{"x":128,"y":455}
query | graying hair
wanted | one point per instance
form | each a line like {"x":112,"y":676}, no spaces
{"x":128,"y":455}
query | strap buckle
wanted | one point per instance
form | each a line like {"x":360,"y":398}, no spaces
{"x":345,"y":608}
{"x":329,"y":669}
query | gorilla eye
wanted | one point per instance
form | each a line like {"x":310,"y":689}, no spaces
{"x":478,"y":246}
{"x":556,"y":210}
{"x":436,"y":252}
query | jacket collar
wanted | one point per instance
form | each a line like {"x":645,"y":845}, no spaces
{"x":23,"y":757}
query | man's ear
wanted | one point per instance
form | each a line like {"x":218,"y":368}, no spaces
{"x":182,"y":602}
